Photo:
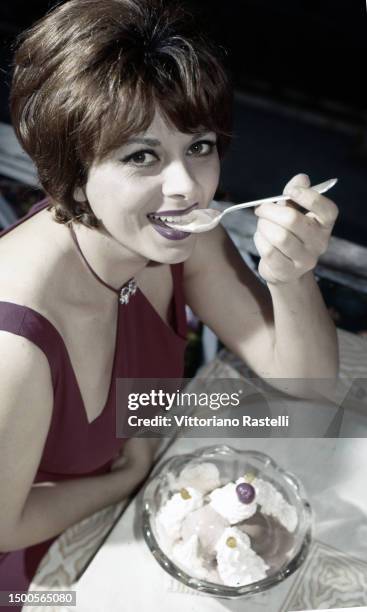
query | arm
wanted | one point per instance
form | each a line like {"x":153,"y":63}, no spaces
{"x":306,"y":345}
{"x":31,"y":513}
{"x":265,"y":326}
{"x":52,"y":508}
{"x":289,"y":243}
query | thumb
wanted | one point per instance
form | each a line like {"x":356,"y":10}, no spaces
{"x":299,"y":180}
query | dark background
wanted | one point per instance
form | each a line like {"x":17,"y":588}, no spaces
{"x":298,"y":69}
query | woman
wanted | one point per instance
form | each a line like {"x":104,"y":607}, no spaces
{"x":125,"y":110}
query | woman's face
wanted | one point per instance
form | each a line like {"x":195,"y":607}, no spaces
{"x":162,"y":172}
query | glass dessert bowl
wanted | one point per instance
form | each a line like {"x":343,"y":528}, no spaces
{"x":225,"y":522}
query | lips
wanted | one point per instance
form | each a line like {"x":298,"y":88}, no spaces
{"x":168,"y":232}
{"x":163,"y":229}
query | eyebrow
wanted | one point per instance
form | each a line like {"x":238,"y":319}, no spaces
{"x":153,"y":142}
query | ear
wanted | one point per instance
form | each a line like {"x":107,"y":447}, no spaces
{"x":79,"y":194}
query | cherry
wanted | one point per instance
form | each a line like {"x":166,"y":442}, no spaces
{"x":245,"y":492}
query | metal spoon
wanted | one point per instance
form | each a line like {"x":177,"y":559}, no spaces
{"x":205,"y":219}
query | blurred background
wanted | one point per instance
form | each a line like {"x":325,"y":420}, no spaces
{"x":297,"y":68}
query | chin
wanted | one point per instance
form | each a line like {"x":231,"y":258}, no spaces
{"x":174,"y":255}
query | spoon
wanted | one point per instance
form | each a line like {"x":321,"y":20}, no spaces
{"x":203,"y":220}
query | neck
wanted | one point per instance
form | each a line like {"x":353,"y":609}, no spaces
{"x":110,"y":260}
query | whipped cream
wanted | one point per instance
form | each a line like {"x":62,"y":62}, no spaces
{"x":273,"y":503}
{"x":238,"y":564}
{"x":171,"y":515}
{"x":187,"y":555}
{"x":225,"y":501}
{"x":203,"y":477}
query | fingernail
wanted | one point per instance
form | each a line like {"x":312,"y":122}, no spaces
{"x":304,"y":177}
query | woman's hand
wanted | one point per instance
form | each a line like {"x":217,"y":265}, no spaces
{"x":137,"y":456}
{"x":289,"y":241}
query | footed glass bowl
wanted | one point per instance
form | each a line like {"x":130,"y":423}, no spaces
{"x":283,"y":551}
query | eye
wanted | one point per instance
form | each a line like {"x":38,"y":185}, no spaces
{"x":202,"y":148}
{"x":145,"y":157}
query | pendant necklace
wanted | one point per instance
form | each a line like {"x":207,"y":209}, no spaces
{"x":125,"y":292}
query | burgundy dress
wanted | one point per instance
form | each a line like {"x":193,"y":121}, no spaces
{"x":146,"y":347}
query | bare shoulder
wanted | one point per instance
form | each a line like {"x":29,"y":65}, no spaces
{"x":25,"y":375}
{"x":29,"y":255}
{"x":16,"y":346}
{"x":27,"y":231}
{"x":25,"y":416}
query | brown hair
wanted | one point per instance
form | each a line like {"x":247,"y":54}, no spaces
{"x":90,"y":74}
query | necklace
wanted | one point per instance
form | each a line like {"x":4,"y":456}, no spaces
{"x":125,"y":292}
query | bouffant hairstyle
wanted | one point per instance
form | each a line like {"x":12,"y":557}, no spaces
{"x":91,"y":73}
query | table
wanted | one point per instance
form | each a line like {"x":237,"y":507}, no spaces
{"x":123,"y":575}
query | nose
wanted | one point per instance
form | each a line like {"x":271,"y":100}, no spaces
{"x":179,"y":182}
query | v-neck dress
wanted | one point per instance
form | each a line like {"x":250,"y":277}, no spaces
{"x":145,"y":347}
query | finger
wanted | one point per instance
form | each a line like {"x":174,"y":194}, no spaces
{"x":281,"y":267}
{"x":323,"y":210}
{"x":286,"y":217}
{"x":301,"y":225}
{"x":299,"y":180}
{"x":286,"y":243}
{"x":266,"y":272}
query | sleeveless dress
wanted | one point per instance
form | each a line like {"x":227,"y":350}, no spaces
{"x":145,"y":347}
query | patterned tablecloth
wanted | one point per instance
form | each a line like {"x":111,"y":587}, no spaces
{"x":105,"y":559}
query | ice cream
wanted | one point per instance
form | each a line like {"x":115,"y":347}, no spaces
{"x":203,"y":477}
{"x":207,"y":524}
{"x":197,"y":529}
